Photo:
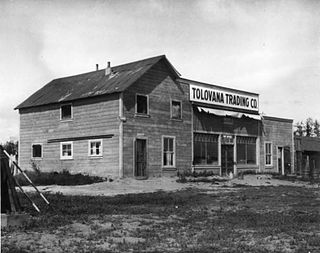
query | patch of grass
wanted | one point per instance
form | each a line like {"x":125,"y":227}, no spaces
{"x":253,"y":219}
{"x":57,"y":178}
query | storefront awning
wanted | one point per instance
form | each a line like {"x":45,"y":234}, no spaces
{"x":228,"y":113}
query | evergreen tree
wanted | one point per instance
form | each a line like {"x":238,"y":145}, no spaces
{"x":309,"y":127}
{"x":316,"y":129}
{"x":299,"y":129}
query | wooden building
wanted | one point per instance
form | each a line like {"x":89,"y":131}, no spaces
{"x":142,"y":119}
{"x":307,"y":156}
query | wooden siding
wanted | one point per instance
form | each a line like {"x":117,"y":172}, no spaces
{"x":161,"y":89}
{"x":279,"y":133}
{"x":91,"y":117}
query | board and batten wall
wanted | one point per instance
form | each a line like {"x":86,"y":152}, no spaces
{"x":91,"y":117}
{"x":161,"y":88}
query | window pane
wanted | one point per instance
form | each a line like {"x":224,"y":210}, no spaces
{"x":268,"y":159}
{"x":170,"y":144}
{"x":212,"y":153}
{"x":241,"y":153}
{"x":66,"y":149}
{"x":251,"y":154}
{"x":176,"y":110}
{"x":168,"y":151}
{"x":95,"y":148}
{"x":142,"y":104}
{"x":36,"y":150}
{"x":205,"y":150}
{"x":66,"y":112}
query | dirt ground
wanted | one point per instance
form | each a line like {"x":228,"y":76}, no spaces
{"x":128,"y":185}
{"x":254,"y":214}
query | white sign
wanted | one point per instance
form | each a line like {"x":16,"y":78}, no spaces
{"x":223,"y":97}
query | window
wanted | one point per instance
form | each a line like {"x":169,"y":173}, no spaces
{"x":95,"y":147}
{"x":36,"y":151}
{"x":66,"y":150}
{"x":142,"y":104}
{"x":168,"y":144}
{"x":66,"y":112}
{"x":176,"y":110}
{"x":205,"y":150}
{"x":268,"y":153}
{"x":246,"y":150}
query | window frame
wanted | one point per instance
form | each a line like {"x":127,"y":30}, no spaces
{"x":61,"y":149}
{"x":71,"y":116}
{"x":89,"y":148}
{"x":218,"y":146}
{"x":173,"y":166}
{"x":171,"y":109}
{"x":246,"y":151}
{"x":36,"y":158}
{"x":136,"y":105}
{"x":265,"y":153}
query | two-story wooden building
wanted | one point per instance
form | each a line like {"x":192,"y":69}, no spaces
{"x":141,"y":119}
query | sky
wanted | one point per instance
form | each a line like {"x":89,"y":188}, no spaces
{"x":267,"y":47}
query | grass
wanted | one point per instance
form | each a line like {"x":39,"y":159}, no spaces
{"x":265,"y":219}
{"x":57,"y":178}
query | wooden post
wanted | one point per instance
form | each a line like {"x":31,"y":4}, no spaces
{"x":9,"y":197}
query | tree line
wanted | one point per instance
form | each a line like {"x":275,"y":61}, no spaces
{"x":309,"y":128}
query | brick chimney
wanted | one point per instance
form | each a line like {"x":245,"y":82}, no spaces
{"x":97,"y":67}
{"x":108,"y":69}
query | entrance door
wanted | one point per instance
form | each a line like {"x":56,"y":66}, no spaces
{"x":226,"y":159}
{"x":287,"y":160}
{"x":141,"y":158}
{"x":280,"y":160}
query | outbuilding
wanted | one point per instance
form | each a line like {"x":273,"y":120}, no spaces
{"x":142,"y":119}
{"x":307,"y":157}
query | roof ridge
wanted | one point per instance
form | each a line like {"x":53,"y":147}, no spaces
{"x":117,"y":66}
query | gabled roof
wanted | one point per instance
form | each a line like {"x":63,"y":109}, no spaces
{"x":93,"y":84}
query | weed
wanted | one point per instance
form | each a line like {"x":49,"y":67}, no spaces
{"x":58,"y":178}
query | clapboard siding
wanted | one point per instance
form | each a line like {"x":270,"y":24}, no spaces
{"x":279,"y":133}
{"x":160,"y":86}
{"x":91,"y":117}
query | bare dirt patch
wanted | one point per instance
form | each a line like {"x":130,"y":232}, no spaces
{"x":199,"y":217}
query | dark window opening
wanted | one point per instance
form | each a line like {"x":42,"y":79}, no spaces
{"x":176,"y":110}
{"x":36,"y":151}
{"x":142,"y":104}
{"x":246,"y":150}
{"x":66,"y":112}
{"x":205,"y":150}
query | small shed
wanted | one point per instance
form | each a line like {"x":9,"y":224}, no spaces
{"x":307,"y":156}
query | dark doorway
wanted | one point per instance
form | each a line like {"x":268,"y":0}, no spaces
{"x":141,"y":159}
{"x":226,"y":159}
{"x":280,"y":160}
{"x":287,"y":160}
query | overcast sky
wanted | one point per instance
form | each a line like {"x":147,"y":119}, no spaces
{"x":268,"y":47}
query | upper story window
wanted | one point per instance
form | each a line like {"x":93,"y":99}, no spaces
{"x":95,"y":148}
{"x":268,"y":153}
{"x":142,"y":104}
{"x":176,"y":109}
{"x":36,"y":150}
{"x":66,"y":112}
{"x":66,"y":150}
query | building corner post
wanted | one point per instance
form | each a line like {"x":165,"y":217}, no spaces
{"x":121,"y":174}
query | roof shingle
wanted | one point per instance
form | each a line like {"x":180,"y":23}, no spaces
{"x":92,"y":84}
